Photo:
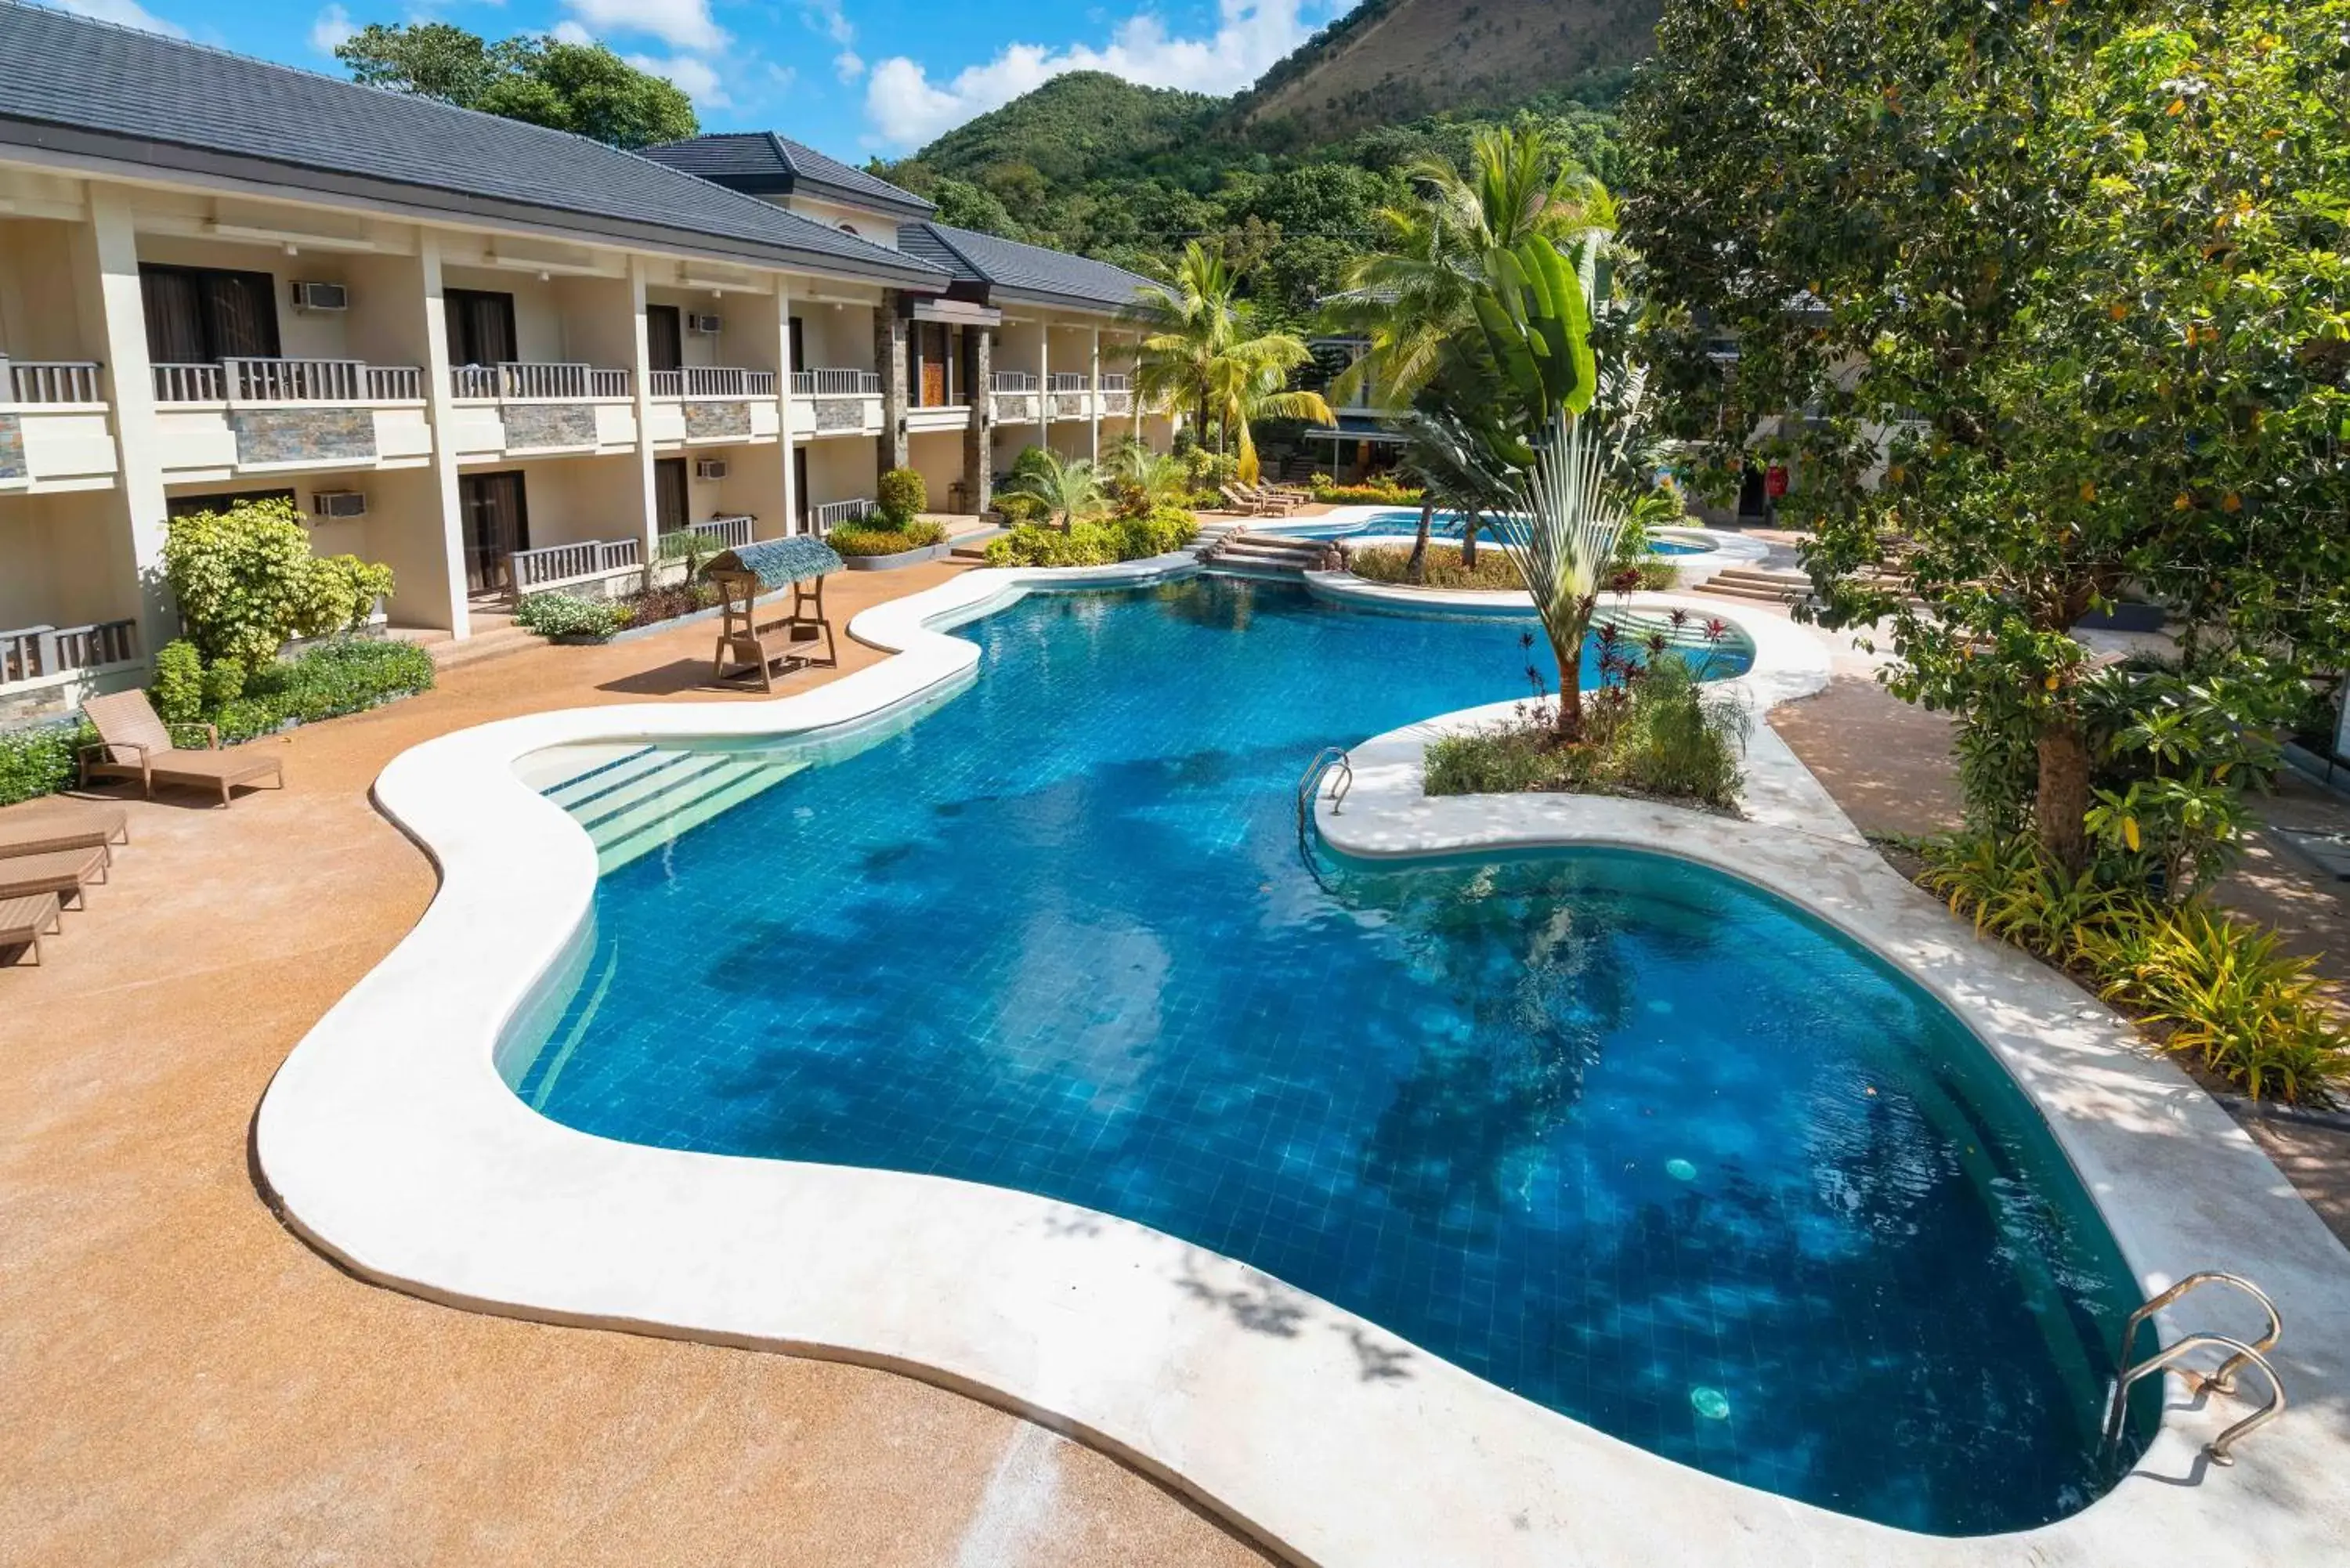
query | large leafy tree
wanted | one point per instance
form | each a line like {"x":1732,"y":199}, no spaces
{"x":581,"y":87}
{"x":2061,"y":293}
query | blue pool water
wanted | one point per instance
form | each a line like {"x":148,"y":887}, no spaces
{"x":1443,"y":525}
{"x":1619,"y":1133}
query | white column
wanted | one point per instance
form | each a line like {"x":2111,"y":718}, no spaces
{"x":1044,"y":385}
{"x":138,"y":446}
{"x":1093,"y":394}
{"x":640,"y":380}
{"x":791,"y":521}
{"x":1133,"y":397}
{"x":441,"y":410}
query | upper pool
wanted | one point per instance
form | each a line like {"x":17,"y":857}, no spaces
{"x":1442,"y":526}
{"x":1625,"y":1136}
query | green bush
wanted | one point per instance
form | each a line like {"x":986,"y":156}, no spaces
{"x":1160,"y":530}
{"x":2199,"y":979}
{"x":1091,"y":543}
{"x":1442,"y":568}
{"x":179,"y":689}
{"x":223,"y":683}
{"x":901,"y":496}
{"x":40,"y":759}
{"x":568,"y":614}
{"x":1017,"y":506}
{"x":246,"y":583}
{"x":1378,"y":492}
{"x":1655,"y":732}
{"x":850,"y":539}
{"x":1203,"y":470}
{"x":345,"y":676}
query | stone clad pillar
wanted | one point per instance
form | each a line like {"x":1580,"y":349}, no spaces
{"x":979,"y":435}
{"x":890,"y":360}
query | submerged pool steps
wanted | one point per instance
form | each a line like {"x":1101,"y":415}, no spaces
{"x":643,"y":800}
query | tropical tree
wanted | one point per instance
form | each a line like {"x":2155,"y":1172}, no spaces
{"x":2085,"y":263}
{"x":1070,"y":488}
{"x":581,"y":87}
{"x":1461,"y":467}
{"x":1201,"y":349}
{"x":1149,"y":478}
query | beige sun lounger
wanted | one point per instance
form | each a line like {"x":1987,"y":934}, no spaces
{"x":134,"y":745}
{"x":62,"y":872}
{"x":45,"y":829}
{"x":23,"y":921}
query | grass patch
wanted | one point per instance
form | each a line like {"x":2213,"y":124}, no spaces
{"x":1392,"y":564}
{"x":1655,"y":733}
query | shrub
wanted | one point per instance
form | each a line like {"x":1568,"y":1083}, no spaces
{"x":568,"y":614}
{"x":1442,"y":568}
{"x":1017,"y":506}
{"x":1203,"y":470}
{"x":345,"y":676}
{"x":246,"y":581}
{"x":667,"y":601}
{"x":901,"y":496}
{"x":1160,"y":530}
{"x":1374,"y":492}
{"x":179,"y":689}
{"x":1092,"y":543}
{"x":223,"y":683}
{"x":852,"y":539}
{"x":40,"y":759}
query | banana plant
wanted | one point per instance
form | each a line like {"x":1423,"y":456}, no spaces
{"x":1535,"y":322}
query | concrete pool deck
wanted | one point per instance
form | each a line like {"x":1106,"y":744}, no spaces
{"x":391,"y":1141}
{"x":183,"y":1381}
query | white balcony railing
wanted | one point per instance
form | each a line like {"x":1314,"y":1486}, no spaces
{"x":276,"y":381}
{"x":832,"y":513}
{"x":1116,"y":383}
{"x":1066,"y":381}
{"x":835,"y":384}
{"x":559,"y":563}
{"x":718,"y":383}
{"x":29,"y":652}
{"x":726,"y":532}
{"x":51,"y":381}
{"x":516,"y":382}
{"x":1014,"y":381}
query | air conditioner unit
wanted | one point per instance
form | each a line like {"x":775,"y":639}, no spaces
{"x":339,"y":503}
{"x":710,"y":468}
{"x":321,"y":297}
{"x":701,"y":325}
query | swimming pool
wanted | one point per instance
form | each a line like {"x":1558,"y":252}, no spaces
{"x":1443,"y":525}
{"x":1619,"y":1133}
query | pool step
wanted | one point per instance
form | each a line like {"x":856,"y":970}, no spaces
{"x":1247,"y":552}
{"x":646,"y":799}
{"x":1758,"y":584}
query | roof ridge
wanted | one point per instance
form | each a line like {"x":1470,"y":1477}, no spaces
{"x":939,"y":233}
{"x":783,"y":153}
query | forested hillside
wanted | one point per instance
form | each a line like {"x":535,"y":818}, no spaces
{"x":1097,"y":165}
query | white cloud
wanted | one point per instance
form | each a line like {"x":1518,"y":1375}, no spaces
{"x":826,"y":17}
{"x":333,"y":27}
{"x":905,"y":108}
{"x":569,"y":32}
{"x":698,"y":78}
{"x":847,"y":65}
{"x":129,"y":12}
{"x":681,"y":24}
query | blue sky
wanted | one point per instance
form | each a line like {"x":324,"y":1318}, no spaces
{"x":855,"y":77}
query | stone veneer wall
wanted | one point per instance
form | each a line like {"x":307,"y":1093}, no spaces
{"x":839,"y":414}
{"x":302,"y":435}
{"x":707,"y":419}
{"x":1069,"y":405}
{"x":1015,"y":408}
{"x":978,"y":442}
{"x":12,"y":448}
{"x":549,"y":424}
{"x":890,"y":358}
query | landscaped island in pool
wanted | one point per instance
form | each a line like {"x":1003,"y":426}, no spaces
{"x":1622,"y":1135}
{"x":1442,"y":526}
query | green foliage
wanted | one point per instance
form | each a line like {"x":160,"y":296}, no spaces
{"x":1143,"y":479}
{"x":1018,"y":506}
{"x":2088,"y":262}
{"x":580,"y":87}
{"x":178,"y":692}
{"x":2202,"y":981}
{"x":1380,"y":492}
{"x":39,"y":759}
{"x":246,"y":582}
{"x":1655,"y":732}
{"x":852,"y":540}
{"x":1441,"y":569}
{"x":1201,"y":351}
{"x":1082,"y":544}
{"x":1069,"y":489}
{"x":568,"y":616}
{"x":344,"y":676}
{"x":900,"y":494}
{"x":223,"y":683}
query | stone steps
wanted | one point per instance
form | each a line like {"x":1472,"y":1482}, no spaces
{"x":1242,"y":551}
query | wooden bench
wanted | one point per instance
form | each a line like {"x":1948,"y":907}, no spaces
{"x":24,"y":921}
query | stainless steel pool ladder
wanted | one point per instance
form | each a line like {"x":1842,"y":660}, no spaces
{"x":2220,"y":1382}
{"x":1309,"y":786}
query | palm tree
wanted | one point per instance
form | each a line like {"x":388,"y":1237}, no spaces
{"x":1201,"y":349}
{"x":1070,"y":488}
{"x":1153,"y":478}
{"x":1459,"y":467}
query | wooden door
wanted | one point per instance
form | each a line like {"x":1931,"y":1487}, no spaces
{"x":669,"y":493}
{"x":497,"y":523}
{"x":664,"y":338}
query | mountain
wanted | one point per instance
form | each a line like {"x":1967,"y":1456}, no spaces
{"x":1392,"y":60}
{"x":1071,"y":129}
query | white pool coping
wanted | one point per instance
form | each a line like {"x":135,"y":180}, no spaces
{"x":1723,"y":549}
{"x":390,"y":1141}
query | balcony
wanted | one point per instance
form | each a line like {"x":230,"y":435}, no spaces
{"x":836,"y":402}
{"x":540,"y":408}
{"x":1115,"y":395}
{"x":702,"y":405}
{"x":831,"y":514}
{"x":53,"y":426}
{"x":1069,"y":395}
{"x":257,"y":415}
{"x":50,"y":669}
{"x":619,"y":564}
{"x":1014,"y":395}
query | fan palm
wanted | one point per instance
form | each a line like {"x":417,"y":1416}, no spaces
{"x":1070,"y":488}
{"x":1153,"y":478}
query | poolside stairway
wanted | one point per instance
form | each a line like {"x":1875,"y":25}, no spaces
{"x":646,"y":796}
{"x":1240,"y":551}
{"x":1759,"y":585}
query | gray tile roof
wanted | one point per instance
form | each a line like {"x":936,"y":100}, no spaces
{"x":1017,"y":271}
{"x":69,"y":84}
{"x":764,"y":164}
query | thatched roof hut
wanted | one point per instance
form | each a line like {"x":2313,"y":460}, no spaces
{"x":777,"y":563}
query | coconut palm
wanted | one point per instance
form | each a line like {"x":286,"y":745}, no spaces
{"x":1070,"y":488}
{"x":1251,"y":383}
{"x":1460,"y":468}
{"x":1201,"y":349}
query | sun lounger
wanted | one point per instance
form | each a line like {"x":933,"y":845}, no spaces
{"x":1250,"y":504}
{"x":44,"y":829}
{"x":1278,"y":500}
{"x":62,"y":872}
{"x":23,"y":921}
{"x":134,"y":744}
